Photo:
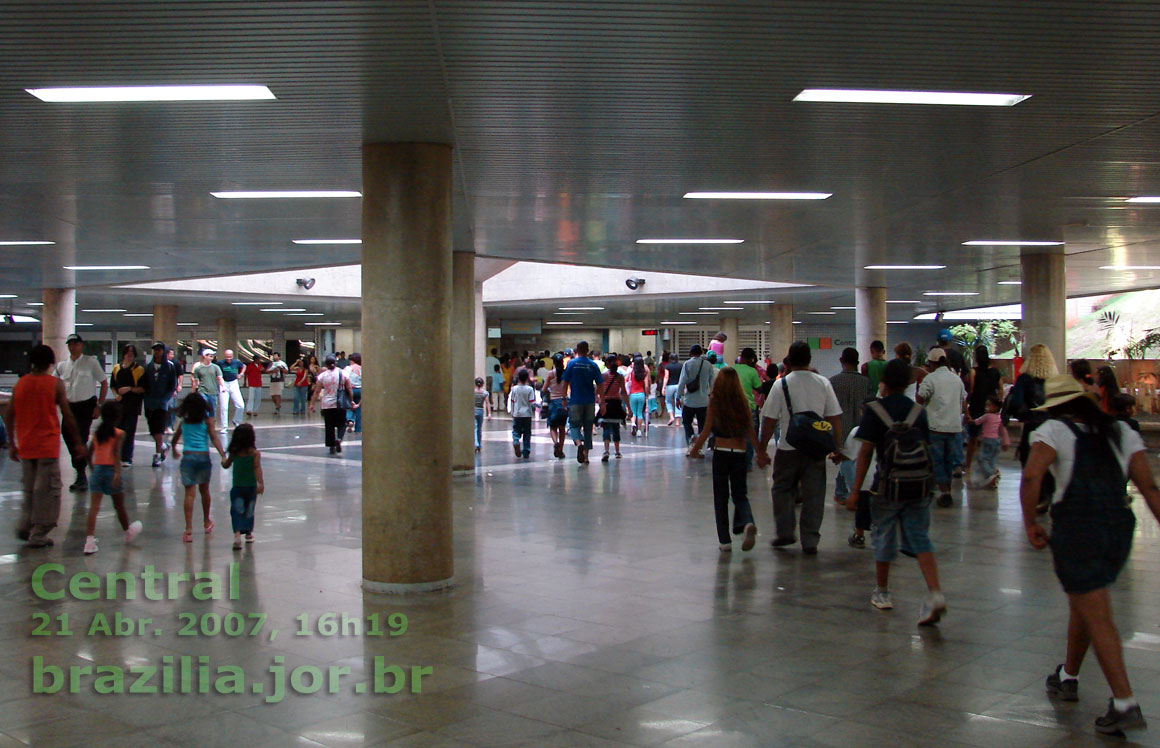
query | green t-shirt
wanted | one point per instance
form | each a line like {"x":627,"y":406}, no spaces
{"x":207,"y":379}
{"x":750,"y":381}
{"x":874,"y":369}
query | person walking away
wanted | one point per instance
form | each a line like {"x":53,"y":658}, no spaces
{"x":277,"y":371}
{"x":730,"y":420}
{"x":984,"y":382}
{"x":797,"y":475}
{"x":104,"y":451}
{"x":692,"y":396}
{"x":330,"y":381}
{"x":207,"y":380}
{"x":612,"y":403}
{"x":301,"y":386}
{"x":1107,"y":387}
{"x":873,"y":368}
{"x":1022,"y":404}
{"x":232,"y":370}
{"x":852,"y":389}
{"x":895,"y":429}
{"x":523,"y":409}
{"x":943,"y":394}
{"x":672,"y":378}
{"x":196,"y":424}
{"x":497,"y":390}
{"x":242,"y":454}
{"x":750,"y":380}
{"x":956,"y":362}
{"x":81,"y":374}
{"x":993,"y":437}
{"x":160,"y":384}
{"x":354,"y":374}
{"x":862,"y":500}
{"x":904,"y":352}
{"x":34,"y":432}
{"x":254,"y":371}
{"x":717,"y":345}
{"x":553,"y":393}
{"x":1081,"y":371}
{"x":171,"y":406}
{"x":581,"y":376}
{"x":1092,"y":457}
{"x":482,"y":408}
{"x":128,"y":390}
{"x":638,"y":389}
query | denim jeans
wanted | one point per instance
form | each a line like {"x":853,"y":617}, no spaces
{"x":242,"y":501}
{"x":845,"y":479}
{"x":478,"y":426}
{"x":946,"y":451}
{"x":671,"y":401}
{"x":729,"y":476}
{"x":355,"y":414}
{"x":522,"y":427}
{"x":797,"y":476}
{"x":637,"y":401}
{"x":691,"y":413}
{"x":580,"y":421}
{"x":987,"y":458}
{"x":300,"y":396}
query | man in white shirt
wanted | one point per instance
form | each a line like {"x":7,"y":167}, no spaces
{"x":521,"y":403}
{"x":81,"y":374}
{"x":944,"y":396}
{"x":795,"y":475}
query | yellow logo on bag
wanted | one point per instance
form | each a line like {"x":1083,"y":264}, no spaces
{"x":823,"y":426}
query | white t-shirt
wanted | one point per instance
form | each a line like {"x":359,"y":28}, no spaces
{"x":330,"y":380}
{"x":808,"y":391}
{"x":522,"y":401}
{"x":80,"y":377}
{"x":944,"y":395}
{"x":1058,"y":436}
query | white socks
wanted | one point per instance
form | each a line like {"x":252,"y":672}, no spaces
{"x":1064,"y":675}
{"x":1123,"y":705}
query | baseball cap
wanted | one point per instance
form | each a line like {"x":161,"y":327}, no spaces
{"x":74,"y":338}
{"x":207,"y":352}
{"x":944,"y":335}
{"x":157,"y":345}
{"x":936,"y":354}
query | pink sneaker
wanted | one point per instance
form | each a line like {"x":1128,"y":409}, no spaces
{"x":90,"y":545}
{"x":133,"y":531}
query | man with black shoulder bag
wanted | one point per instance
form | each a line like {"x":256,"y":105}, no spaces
{"x":811,"y":417}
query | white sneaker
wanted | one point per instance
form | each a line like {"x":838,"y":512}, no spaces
{"x":133,"y":531}
{"x":933,"y":609}
{"x":881,"y":600}
{"x":725,"y":547}
{"x":90,"y":545}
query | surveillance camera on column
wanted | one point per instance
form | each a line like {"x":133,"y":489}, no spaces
{"x":634,"y":284}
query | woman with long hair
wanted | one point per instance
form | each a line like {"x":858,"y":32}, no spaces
{"x":730,"y":420}
{"x":672,"y":371}
{"x":553,"y":392}
{"x":984,"y":383}
{"x":1081,"y":371}
{"x":1092,"y":457}
{"x":638,"y":387}
{"x":1107,"y":387}
{"x":196,"y":427}
{"x":1022,"y":404}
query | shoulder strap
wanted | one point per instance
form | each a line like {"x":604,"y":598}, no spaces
{"x":785,"y":389}
{"x":912,"y":417}
{"x":1071,"y":425}
{"x":876,"y":407}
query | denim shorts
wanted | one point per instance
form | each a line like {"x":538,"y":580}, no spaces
{"x":911,"y":518}
{"x":102,"y":480}
{"x":195,"y":468}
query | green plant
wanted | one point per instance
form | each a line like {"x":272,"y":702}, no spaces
{"x":991,"y":333}
{"x":1138,"y":347}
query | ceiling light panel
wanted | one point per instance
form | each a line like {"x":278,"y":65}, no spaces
{"x":109,"y":94}
{"x":283,"y":194}
{"x":937,"y":98}
{"x":689,"y":241}
{"x":758,"y":195}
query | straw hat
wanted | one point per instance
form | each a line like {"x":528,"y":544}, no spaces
{"x":1059,"y":390}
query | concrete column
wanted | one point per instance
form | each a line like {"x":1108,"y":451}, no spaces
{"x":227,"y":335}
{"x":58,"y":319}
{"x":165,"y":324}
{"x":327,"y":344}
{"x":278,"y":344}
{"x":1044,"y":292}
{"x":732,"y":344}
{"x":780,"y":331}
{"x":406,"y":322}
{"x":462,"y":354}
{"x":480,"y":366}
{"x":870,"y":318}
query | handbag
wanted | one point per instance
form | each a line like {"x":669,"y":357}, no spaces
{"x":343,"y":398}
{"x":613,"y":409}
{"x":808,"y":432}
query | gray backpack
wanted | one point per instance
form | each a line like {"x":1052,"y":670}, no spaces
{"x":905,"y":467}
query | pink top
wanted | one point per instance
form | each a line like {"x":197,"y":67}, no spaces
{"x":634,"y":386}
{"x":993,"y":428}
{"x":717,"y":347}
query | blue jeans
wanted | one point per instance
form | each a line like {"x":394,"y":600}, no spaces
{"x":946,"y":451}
{"x":580,"y":421}
{"x":300,"y":396}
{"x":910,"y":520}
{"x":637,"y":401}
{"x":478,"y":426}
{"x":845,"y":479}
{"x":987,"y":458}
{"x":671,"y":401}
{"x":522,"y":427}
{"x":242,"y":501}
{"x":355,"y":414}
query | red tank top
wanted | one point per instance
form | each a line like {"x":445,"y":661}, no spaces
{"x":37,"y":418}
{"x":633,"y":385}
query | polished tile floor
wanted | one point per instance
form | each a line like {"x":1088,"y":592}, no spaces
{"x":592,"y":609}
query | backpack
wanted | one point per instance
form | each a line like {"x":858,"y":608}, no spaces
{"x":694,"y":384}
{"x":905,"y":467}
{"x":808,"y":432}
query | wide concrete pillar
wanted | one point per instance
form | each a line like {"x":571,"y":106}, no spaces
{"x":406,"y":322}
{"x":480,"y":366}
{"x":1044,"y":293}
{"x":729,"y":326}
{"x":780,"y":331}
{"x":58,"y":319}
{"x":869,"y":318}
{"x":165,"y":324}
{"x":462,"y":355}
{"x":227,"y":335}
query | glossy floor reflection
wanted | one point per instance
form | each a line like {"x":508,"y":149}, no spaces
{"x":592,"y":609}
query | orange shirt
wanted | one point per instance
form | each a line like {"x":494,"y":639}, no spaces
{"x":37,"y":424}
{"x":103,"y":452}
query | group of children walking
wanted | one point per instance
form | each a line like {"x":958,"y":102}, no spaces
{"x":196,"y":428}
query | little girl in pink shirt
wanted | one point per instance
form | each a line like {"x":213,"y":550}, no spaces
{"x":993,"y":438}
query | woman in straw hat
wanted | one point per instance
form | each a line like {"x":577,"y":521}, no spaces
{"x":1091,"y":456}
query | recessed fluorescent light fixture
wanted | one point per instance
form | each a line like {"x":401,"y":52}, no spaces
{"x":951,"y":293}
{"x":8,"y":296}
{"x":82,"y":324}
{"x":28,"y":243}
{"x":275,"y":194}
{"x":280,"y":309}
{"x":756,"y":301}
{"x":151,"y":93}
{"x":139,"y":314}
{"x":106,"y":267}
{"x":797,"y":322}
{"x":256,"y":303}
{"x":821,"y":312}
{"x":721,"y":309}
{"x":843,"y":308}
{"x":187,"y":324}
{"x":36,"y":303}
{"x":903,"y":301}
{"x":328,"y":241}
{"x":581,"y":309}
{"x":563,"y":323}
{"x":306,"y":314}
{"x":904,"y":267}
{"x":673,"y":322}
{"x":1008,"y":243}
{"x":697,"y":313}
{"x":322,"y":324}
{"x":689,"y":241}
{"x":757,"y":195}
{"x":1010,"y":283}
{"x":896,"y":322}
{"x":103,"y":311}
{"x":1145,"y":199}
{"x":945,"y":98}
{"x":1007,"y":311}
{"x":568,"y":314}
{"x":1130,"y":267}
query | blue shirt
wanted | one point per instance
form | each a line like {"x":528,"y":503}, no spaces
{"x":582,"y":376}
{"x":231,"y":370}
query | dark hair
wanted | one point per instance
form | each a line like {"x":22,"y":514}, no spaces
{"x":639,"y":372}
{"x":1085,"y":409}
{"x":41,"y":357}
{"x":1122,"y":403}
{"x":356,"y":358}
{"x":610,"y":362}
{"x":193,"y":408}
{"x":799,"y":354}
{"x":747,"y":355}
{"x":878,"y":345}
{"x":558,"y":364}
{"x":904,"y":351}
{"x":110,"y":417}
{"x":495,"y":367}
{"x":242,"y":439}
{"x":126,"y":350}
{"x":582,"y":347}
{"x":897,"y":375}
{"x":696,"y":350}
{"x":674,"y":358}
{"x":330,"y":362}
{"x":721,"y":336}
{"x":1106,"y":379}
{"x":1081,"y":371}
{"x":849,"y":356}
{"x":478,"y":382}
{"x":996,"y":401}
{"x":523,"y":377}
{"x":982,"y":357}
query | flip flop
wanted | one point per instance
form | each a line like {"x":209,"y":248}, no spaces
{"x":209,"y":527}
{"x":187,"y":537}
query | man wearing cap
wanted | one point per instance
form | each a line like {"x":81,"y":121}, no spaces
{"x":955,"y":360}
{"x":944,"y":396}
{"x":160,"y":382}
{"x":207,"y":378}
{"x":81,"y":374}
{"x":232,"y":369}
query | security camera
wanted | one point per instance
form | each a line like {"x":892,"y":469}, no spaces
{"x":634,"y":283}
{"x":307,"y":283}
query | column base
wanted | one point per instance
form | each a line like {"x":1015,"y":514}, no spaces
{"x":395,"y":588}
{"x":461,"y":470}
